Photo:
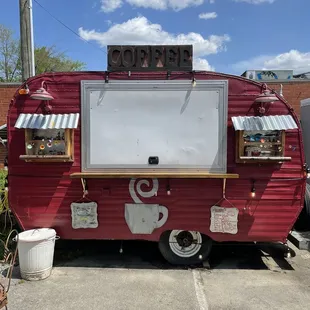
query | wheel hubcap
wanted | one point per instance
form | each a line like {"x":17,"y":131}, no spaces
{"x":185,"y":243}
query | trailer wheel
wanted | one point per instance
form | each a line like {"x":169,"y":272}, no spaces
{"x":181,"y":247}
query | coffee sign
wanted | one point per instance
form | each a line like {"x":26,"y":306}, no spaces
{"x":150,"y":58}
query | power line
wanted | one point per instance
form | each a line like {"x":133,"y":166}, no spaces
{"x":63,"y":24}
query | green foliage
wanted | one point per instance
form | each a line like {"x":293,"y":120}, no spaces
{"x":47,"y":59}
{"x":3,"y":205}
{"x":3,"y":174}
{"x":9,"y":55}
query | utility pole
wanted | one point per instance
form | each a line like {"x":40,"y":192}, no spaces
{"x":26,"y":39}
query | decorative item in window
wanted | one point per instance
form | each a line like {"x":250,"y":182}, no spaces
{"x":262,"y":139}
{"x":48,"y":137}
{"x":264,"y":145}
{"x":48,"y":144}
{"x":48,"y":140}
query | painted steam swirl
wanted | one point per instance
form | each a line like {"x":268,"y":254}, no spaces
{"x":133,"y":191}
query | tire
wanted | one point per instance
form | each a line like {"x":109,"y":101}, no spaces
{"x":303,"y":221}
{"x":192,"y":253}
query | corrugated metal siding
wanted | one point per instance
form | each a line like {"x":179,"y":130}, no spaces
{"x":51,"y":121}
{"x":276,"y":122}
{"x":41,"y":193}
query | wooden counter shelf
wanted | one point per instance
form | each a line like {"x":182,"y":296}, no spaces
{"x":46,"y":158}
{"x":180,"y":175}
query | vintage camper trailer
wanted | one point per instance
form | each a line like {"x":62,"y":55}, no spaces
{"x":180,"y":158}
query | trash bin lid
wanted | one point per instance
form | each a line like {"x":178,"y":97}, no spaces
{"x":34,"y":235}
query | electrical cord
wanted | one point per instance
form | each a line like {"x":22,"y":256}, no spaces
{"x":63,"y":24}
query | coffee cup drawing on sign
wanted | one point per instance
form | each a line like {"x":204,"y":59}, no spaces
{"x":145,"y":218}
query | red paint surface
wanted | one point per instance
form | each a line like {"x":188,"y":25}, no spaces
{"x":41,"y":193}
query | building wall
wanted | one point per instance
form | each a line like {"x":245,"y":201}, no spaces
{"x":293,"y":92}
{"x":7,"y":91}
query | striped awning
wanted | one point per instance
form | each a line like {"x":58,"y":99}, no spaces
{"x":50,"y":121}
{"x":253,"y":123}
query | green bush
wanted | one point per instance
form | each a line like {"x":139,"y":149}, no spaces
{"x":3,"y":174}
{"x":3,"y":233}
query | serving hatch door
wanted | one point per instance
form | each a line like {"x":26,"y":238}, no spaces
{"x":154,"y":125}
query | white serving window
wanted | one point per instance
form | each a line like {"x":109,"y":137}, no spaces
{"x":154,"y":125}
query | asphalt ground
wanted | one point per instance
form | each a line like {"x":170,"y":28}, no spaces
{"x":95,"y":275}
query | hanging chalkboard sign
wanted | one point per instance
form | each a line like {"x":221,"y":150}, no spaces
{"x":150,"y":58}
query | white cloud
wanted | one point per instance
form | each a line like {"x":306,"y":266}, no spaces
{"x":177,"y":5}
{"x":256,"y":1}
{"x":202,"y":64}
{"x":292,"y":60}
{"x":110,"y":5}
{"x":140,"y":30}
{"x":152,"y":4}
{"x":210,"y":15}
{"x":212,"y":1}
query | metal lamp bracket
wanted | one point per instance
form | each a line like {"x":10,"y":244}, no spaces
{"x":85,"y":187}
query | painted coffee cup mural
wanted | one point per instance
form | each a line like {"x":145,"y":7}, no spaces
{"x":144,"y":218}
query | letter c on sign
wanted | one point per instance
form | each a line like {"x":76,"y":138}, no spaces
{"x":115,"y":56}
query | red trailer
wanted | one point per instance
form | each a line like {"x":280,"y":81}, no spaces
{"x":181,"y":158}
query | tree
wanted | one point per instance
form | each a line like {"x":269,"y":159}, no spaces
{"x":47,"y":58}
{"x":9,"y":55}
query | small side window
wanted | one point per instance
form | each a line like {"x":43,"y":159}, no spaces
{"x":48,"y":145}
{"x":260,"y":146}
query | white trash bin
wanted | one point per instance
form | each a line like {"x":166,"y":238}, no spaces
{"x":36,"y":253}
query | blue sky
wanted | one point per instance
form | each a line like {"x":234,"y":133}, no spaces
{"x":228,"y":36}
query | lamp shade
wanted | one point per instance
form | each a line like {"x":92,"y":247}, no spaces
{"x":41,"y":94}
{"x":266,"y":97}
